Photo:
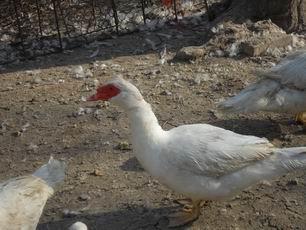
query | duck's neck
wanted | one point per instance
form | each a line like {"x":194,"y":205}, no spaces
{"x":143,"y":121}
{"x":146,"y":133}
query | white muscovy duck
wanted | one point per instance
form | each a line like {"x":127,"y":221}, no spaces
{"x":22,"y":199}
{"x":200,"y":161}
{"x":281,"y":89}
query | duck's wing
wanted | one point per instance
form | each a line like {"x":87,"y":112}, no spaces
{"x":211,"y":151}
{"x":290,"y":71}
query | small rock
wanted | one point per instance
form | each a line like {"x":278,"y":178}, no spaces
{"x":95,"y":53}
{"x":80,"y":112}
{"x":32,"y":147}
{"x":25,"y":126}
{"x":97,"y":172}
{"x":3,"y":127}
{"x":215,"y":114}
{"x":32,"y":72}
{"x":296,"y":41}
{"x":83,"y":177}
{"x":78,"y":71}
{"x":84,"y":197}
{"x":293,"y":182}
{"x":219,"y":53}
{"x":190,"y":53}
{"x":37,"y":80}
{"x":70,"y":213}
{"x":78,"y":226}
{"x":123,"y":145}
{"x":116,"y":67}
{"x":95,"y":82}
{"x":98,"y":113}
{"x":274,"y":52}
{"x":106,"y":143}
{"x":88,"y":73}
{"x":17,"y":134}
{"x":268,"y":43}
{"x":223,"y":210}
{"x":214,"y":30}
{"x":163,"y":55}
{"x":177,"y":85}
{"x":266,"y":183}
{"x":233,"y":50}
{"x":166,"y":93}
{"x":289,"y":48}
{"x":287,"y":137}
{"x":88,"y":110}
{"x":103,"y":66}
{"x":35,"y":116}
{"x":200,"y":78}
{"x":153,"y":72}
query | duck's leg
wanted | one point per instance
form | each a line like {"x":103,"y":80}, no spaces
{"x":188,"y":214}
{"x":301,"y":117}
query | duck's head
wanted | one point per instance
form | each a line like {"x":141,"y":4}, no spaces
{"x":118,"y":91}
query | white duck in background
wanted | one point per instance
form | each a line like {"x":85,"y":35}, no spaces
{"x":281,"y":89}
{"x":22,"y":199}
{"x":201,"y":161}
{"x":78,"y":226}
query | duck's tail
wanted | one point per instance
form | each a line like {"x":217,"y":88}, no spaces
{"x":52,"y":173}
{"x":291,"y":158}
{"x":280,"y":163}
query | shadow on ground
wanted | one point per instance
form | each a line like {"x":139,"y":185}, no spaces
{"x":132,"y":165}
{"x":134,"y":44}
{"x":132,"y":218}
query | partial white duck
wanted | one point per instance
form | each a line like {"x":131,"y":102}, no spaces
{"x":201,"y":161}
{"x":78,"y":226}
{"x":280,"y":89}
{"x":22,"y":199}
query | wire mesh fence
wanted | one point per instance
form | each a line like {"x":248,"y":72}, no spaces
{"x":30,"y":28}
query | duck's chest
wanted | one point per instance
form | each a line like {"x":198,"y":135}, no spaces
{"x":148,"y":154}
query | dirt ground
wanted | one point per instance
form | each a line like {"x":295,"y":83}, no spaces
{"x":42,"y":114}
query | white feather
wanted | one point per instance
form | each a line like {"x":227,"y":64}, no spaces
{"x":281,"y":89}
{"x":78,"y":226}
{"x":22,"y":199}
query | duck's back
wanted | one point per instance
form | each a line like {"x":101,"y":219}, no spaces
{"x":22,"y":201}
{"x":291,"y":71}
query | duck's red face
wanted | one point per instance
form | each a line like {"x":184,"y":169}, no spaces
{"x":105,"y":92}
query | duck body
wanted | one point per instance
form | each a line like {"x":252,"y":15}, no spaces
{"x":22,"y":199}
{"x":201,"y":161}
